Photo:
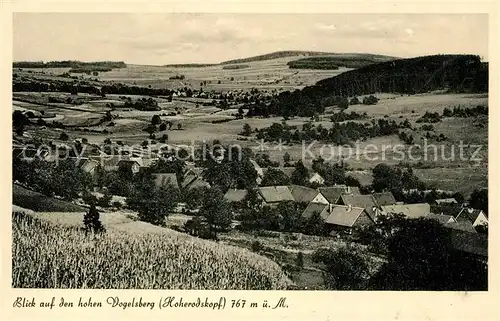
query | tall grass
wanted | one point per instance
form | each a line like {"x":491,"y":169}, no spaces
{"x":45,"y":255}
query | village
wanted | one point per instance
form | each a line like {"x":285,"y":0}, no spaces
{"x":341,"y":208}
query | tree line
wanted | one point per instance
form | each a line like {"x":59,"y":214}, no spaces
{"x":339,"y":133}
{"x":68,"y":64}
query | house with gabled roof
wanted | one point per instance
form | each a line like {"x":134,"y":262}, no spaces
{"x":475,"y":244}
{"x":332,"y":193}
{"x":89,"y":166}
{"x":315,"y":178}
{"x":302,"y":194}
{"x":192,"y":178}
{"x":464,"y":226}
{"x":362,"y":201}
{"x":408,"y":210}
{"x":348,"y":216}
{"x":441,"y":218}
{"x":194,"y":182}
{"x":273,"y":195}
{"x":288,"y":171}
{"x":320,"y":208}
{"x":475,"y":216}
{"x":385,"y":198}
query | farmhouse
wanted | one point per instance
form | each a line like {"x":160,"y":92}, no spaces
{"x":165,"y":179}
{"x":194,"y":182}
{"x":288,"y":171}
{"x":302,"y":194}
{"x":90,"y":166}
{"x":443,"y":219}
{"x":474,"y":244}
{"x":476,"y":217}
{"x":273,"y":195}
{"x":408,"y":210}
{"x":193,"y":179}
{"x":366,"y":202}
{"x":383,"y":199}
{"x":332,"y":194}
{"x":320,"y":208}
{"x":465,"y":226}
{"x":348,"y":216}
{"x":316,"y":178}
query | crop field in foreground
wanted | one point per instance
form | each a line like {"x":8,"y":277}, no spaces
{"x":45,"y":255}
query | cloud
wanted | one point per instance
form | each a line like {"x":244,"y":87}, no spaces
{"x":322,"y":26}
{"x":378,"y":29}
{"x":410,"y":32}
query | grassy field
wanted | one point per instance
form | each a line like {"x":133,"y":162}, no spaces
{"x":267,"y":75}
{"x":40,"y":203}
{"x":47,"y":255}
{"x":462,"y":179}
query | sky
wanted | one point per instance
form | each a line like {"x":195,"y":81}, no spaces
{"x":169,"y":38}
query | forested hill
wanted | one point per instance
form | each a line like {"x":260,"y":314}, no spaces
{"x":276,"y":55}
{"x":455,"y":73}
{"x":414,"y":75}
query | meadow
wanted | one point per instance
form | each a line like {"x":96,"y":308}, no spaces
{"x":46,"y":255}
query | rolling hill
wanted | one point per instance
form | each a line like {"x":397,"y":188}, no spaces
{"x":453,"y":73}
{"x":276,"y":55}
{"x":334,"y":62}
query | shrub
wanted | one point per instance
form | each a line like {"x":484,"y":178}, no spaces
{"x":91,"y":221}
{"x":300,"y":259}
{"x":257,"y":246}
{"x":63,"y":136}
{"x":370,"y":100}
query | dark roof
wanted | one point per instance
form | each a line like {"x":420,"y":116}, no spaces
{"x":235,"y":195}
{"x":315,"y":207}
{"x":191,"y":181}
{"x":302,"y":194}
{"x":441,"y":218}
{"x":473,"y":243}
{"x":333,"y":193}
{"x":383,"y":199}
{"x":88,"y":165}
{"x":363,"y":201}
{"x":465,"y":226}
{"x":273,"y":194}
{"x":470,"y":214}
